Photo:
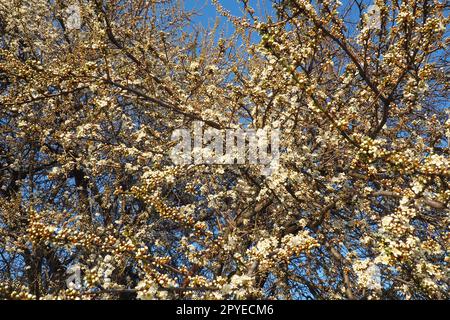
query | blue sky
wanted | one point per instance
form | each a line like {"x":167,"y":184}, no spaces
{"x":207,"y":12}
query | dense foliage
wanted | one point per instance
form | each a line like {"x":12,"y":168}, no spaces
{"x":358,"y":207}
